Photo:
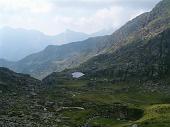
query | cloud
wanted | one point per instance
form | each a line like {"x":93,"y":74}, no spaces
{"x":54,"y":16}
{"x":20,"y":6}
{"x":104,"y":18}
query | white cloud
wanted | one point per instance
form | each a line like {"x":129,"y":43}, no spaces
{"x":20,"y":6}
{"x":104,"y":18}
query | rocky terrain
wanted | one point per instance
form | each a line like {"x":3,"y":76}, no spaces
{"x":81,"y":102}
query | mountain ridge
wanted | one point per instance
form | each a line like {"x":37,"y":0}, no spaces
{"x":31,"y":41}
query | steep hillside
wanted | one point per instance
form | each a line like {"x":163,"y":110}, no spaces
{"x":144,"y":26}
{"x":15,"y":44}
{"x":147,"y":59}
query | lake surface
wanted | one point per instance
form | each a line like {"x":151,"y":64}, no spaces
{"x":77,"y":74}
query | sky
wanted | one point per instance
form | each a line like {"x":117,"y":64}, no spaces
{"x":55,"y":16}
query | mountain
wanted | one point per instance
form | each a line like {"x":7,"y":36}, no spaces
{"x":70,"y":36}
{"x":27,"y":42}
{"x":15,"y":44}
{"x":139,"y":60}
{"x":18,"y":43}
{"x":142,"y":52}
{"x":58,"y":58}
{"x":98,"y":98}
{"x":4,"y":62}
{"x":126,"y":88}
{"x":145,"y":48}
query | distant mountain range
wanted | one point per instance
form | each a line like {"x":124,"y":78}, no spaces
{"x":15,"y":44}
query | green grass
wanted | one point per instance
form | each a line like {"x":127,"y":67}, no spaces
{"x":156,"y":116}
{"x":76,"y":117}
{"x":106,"y":122}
